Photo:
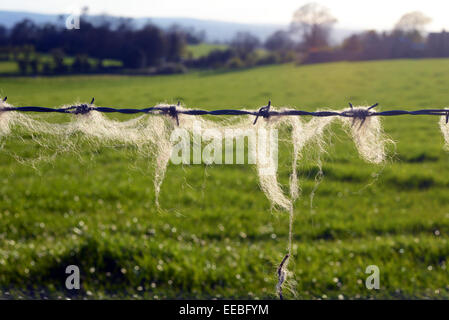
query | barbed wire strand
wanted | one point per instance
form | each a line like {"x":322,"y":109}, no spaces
{"x":264,"y":112}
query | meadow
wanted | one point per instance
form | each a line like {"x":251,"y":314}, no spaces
{"x":216,"y":236}
{"x":11,"y":67}
{"x":203,"y":49}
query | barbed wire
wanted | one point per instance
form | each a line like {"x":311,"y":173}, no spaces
{"x":265,"y":112}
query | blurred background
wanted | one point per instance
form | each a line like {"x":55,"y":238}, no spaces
{"x":175,"y":36}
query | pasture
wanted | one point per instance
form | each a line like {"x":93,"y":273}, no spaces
{"x":203,"y":49}
{"x":215,"y":236}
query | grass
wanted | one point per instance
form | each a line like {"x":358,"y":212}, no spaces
{"x":12,"y":67}
{"x":216,"y":237}
{"x":9,"y":67}
{"x":203,"y":49}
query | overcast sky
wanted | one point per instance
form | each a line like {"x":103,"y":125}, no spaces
{"x":358,"y":14}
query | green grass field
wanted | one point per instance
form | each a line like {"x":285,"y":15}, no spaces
{"x":11,"y":67}
{"x":203,"y":49}
{"x":216,"y":237}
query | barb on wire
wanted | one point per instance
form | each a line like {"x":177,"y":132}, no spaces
{"x":82,"y":108}
{"x":265,"y":112}
{"x":360,"y":113}
{"x":173,"y":112}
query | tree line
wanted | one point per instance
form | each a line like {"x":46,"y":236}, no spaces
{"x":307,"y":40}
{"x":148,"y":46}
{"x":311,"y":26}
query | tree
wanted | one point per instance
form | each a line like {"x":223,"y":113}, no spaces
{"x":81,"y":63}
{"x":34,"y":64}
{"x":412,"y":21}
{"x":352,"y":44}
{"x":215,"y":59}
{"x":279,"y":41}
{"x":100,"y":39}
{"x":412,"y":25}
{"x":312,"y":24}
{"x":49,"y":38}
{"x":3,"y":36}
{"x":24,"y":32}
{"x":151,"y":44}
{"x":189,"y":35}
{"x":58,"y":55}
{"x":175,"y":43}
{"x":375,"y":45}
{"x":244,"y":43}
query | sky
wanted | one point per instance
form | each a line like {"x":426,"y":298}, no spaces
{"x":352,"y":14}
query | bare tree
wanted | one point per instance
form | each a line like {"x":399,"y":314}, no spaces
{"x":412,"y":22}
{"x":312,"y":23}
{"x":411,"y":25}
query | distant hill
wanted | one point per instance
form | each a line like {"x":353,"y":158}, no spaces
{"x":219,"y":31}
{"x":9,"y":18}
